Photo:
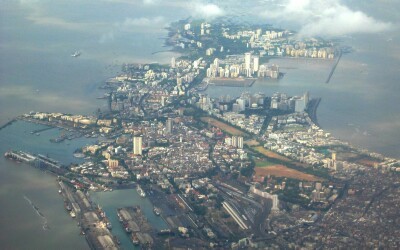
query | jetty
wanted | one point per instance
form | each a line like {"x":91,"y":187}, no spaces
{"x":334,"y":67}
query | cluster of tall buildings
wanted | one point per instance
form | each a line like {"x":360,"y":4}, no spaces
{"x":138,"y":139}
{"x":283,"y":102}
{"x":251,"y":67}
{"x":248,"y":100}
{"x":234,"y":141}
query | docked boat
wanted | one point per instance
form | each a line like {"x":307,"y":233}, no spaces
{"x":72,"y":213}
{"x":135,"y":239}
{"x":67,"y":206}
{"x":156,"y":211}
{"x":127,"y":229}
{"x":79,"y":155}
{"x":119,"y":217}
{"x":141,"y":192}
{"x":116,"y":239}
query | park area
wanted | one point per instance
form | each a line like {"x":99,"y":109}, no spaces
{"x":270,"y":154}
{"x":264,"y":170}
{"x":223,"y":126}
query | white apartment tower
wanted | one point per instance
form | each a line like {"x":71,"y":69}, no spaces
{"x":137,"y":145}
{"x":256,"y":63}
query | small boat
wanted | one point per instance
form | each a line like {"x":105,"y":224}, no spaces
{"x":117,"y":240}
{"x":67,"y":206}
{"x":59,"y":191}
{"x":157,"y":211}
{"x":76,"y":54}
{"x":135,"y":239}
{"x":141,"y":192}
{"x":72,"y":213}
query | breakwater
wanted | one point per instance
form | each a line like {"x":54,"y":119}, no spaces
{"x":8,"y":123}
{"x":334,"y":67}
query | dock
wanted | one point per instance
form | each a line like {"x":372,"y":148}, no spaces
{"x":8,"y":123}
{"x":232,"y":82}
{"x":39,"y":161}
{"x":334,"y":67}
{"x":90,"y":219}
{"x":136,"y":224}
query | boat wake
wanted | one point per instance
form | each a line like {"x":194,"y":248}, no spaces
{"x":45,"y":226}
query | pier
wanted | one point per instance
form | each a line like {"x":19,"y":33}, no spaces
{"x":334,"y":67}
{"x":136,"y":224}
{"x":8,"y":123}
{"x":39,"y":161}
{"x":91,"y":220}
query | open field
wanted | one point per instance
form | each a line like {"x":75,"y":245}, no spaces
{"x":271,"y":154}
{"x":225,"y":127}
{"x":369,"y":163}
{"x":282,"y":171}
{"x":263,"y":163}
{"x":252,"y":143}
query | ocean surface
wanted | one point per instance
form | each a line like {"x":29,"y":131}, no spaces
{"x":37,"y":37}
{"x":23,"y":187}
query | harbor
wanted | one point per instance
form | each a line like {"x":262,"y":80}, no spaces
{"x":92,"y":221}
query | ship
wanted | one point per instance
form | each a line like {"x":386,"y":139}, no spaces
{"x":157,"y":211}
{"x":135,"y":239}
{"x":119,"y":217}
{"x":164,"y":232}
{"x":67,"y":206}
{"x":141,"y":192}
{"x":127,"y":229}
{"x":76,"y":54}
{"x":116,"y":239}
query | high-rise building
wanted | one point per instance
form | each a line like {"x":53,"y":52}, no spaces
{"x":247,"y":61}
{"x":173,"y":62}
{"x":240,"y":142}
{"x":234,"y":141}
{"x":228,"y":141}
{"x":241,"y":104}
{"x":306,"y":98}
{"x":137,"y":145}
{"x":256,"y":63}
{"x":333,"y":156}
{"x":299,"y":105}
{"x":169,"y":125}
{"x":216,"y":63}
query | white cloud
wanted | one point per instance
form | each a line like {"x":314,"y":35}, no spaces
{"x":107,"y":37}
{"x":324,"y":17}
{"x":131,"y":23}
{"x":150,"y":2}
{"x":208,"y":11}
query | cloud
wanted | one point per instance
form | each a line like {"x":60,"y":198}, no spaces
{"x":149,"y":2}
{"x":208,"y":11}
{"x":143,"y":22}
{"x":107,"y":37}
{"x":324,"y":17}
